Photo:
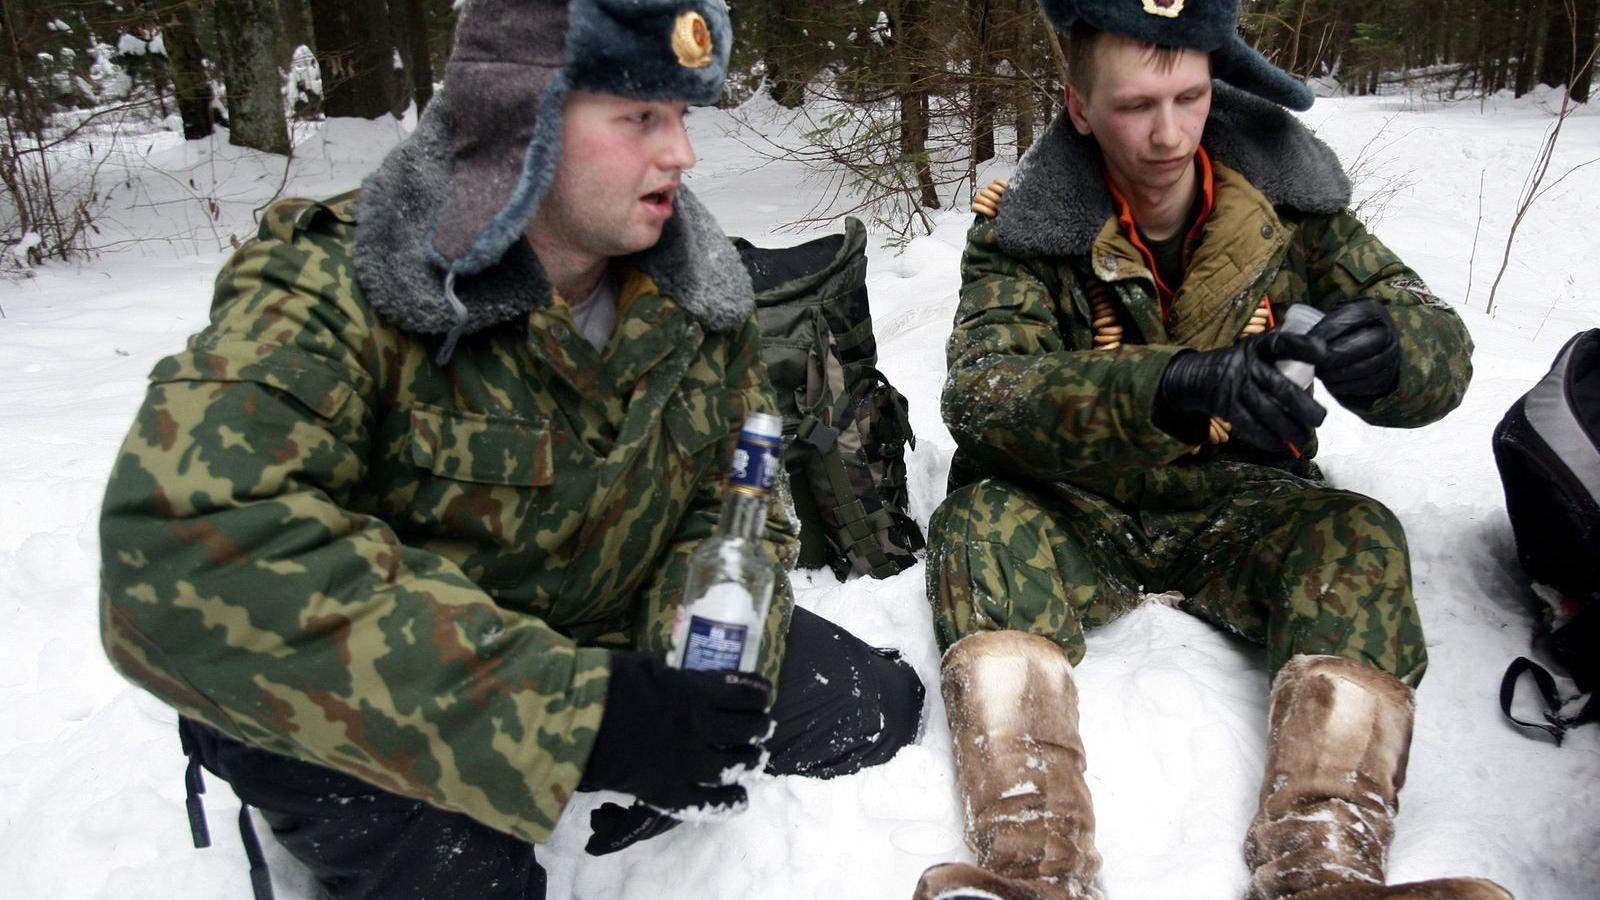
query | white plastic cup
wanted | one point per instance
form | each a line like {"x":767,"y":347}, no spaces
{"x":1300,"y":319}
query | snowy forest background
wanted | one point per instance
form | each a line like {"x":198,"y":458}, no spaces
{"x":141,"y":140}
{"x":917,"y":93}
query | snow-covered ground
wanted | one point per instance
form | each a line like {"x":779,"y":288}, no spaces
{"x":91,"y":792}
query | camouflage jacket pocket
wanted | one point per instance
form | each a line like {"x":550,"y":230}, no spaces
{"x":695,"y":421}
{"x":313,"y":385}
{"x":1367,"y":262}
{"x":478,"y":489}
{"x":482,"y":449}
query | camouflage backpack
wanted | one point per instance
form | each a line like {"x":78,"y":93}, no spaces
{"x":845,"y":427}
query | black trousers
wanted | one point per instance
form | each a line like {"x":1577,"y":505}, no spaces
{"x":842,"y":706}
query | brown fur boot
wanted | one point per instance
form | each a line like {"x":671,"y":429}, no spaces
{"x":1339,"y":733}
{"x":1019,"y":763}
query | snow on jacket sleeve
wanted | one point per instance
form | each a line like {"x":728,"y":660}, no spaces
{"x":1345,"y":261}
{"x":239,"y":585}
{"x":1025,"y":397}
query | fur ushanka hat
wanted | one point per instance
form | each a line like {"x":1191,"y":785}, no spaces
{"x":1211,"y":26}
{"x":514,"y":63}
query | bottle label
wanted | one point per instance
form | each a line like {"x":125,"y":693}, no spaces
{"x":755,"y":463}
{"x":713,"y":646}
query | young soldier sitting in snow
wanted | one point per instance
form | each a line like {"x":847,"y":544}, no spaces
{"x":403,"y":532}
{"x":1122,"y":429}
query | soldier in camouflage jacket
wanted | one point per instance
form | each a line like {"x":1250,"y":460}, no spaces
{"x":403,"y":531}
{"x":1031,"y":396}
{"x":1122,"y":430}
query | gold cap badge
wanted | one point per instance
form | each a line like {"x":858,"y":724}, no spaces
{"x":691,"y":41}
{"x":1167,"y":8}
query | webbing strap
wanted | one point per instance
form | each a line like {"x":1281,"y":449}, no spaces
{"x":193,"y":786}
{"x":260,"y":878}
{"x":853,"y":337}
{"x":813,"y":432}
{"x":854,"y":528}
{"x":1555,"y":725}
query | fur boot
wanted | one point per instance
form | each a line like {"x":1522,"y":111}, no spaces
{"x":1339,"y":734}
{"x":1013,"y":715}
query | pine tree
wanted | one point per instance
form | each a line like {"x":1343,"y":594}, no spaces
{"x":249,"y":40}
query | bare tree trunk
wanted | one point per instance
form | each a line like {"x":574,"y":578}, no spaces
{"x":787,"y":75}
{"x":356,"y":55}
{"x":1528,"y":47}
{"x":1480,"y":68}
{"x":249,"y":36}
{"x":1056,"y":52}
{"x":980,"y":75}
{"x":1504,"y":44}
{"x":22,"y":22}
{"x":295,"y":31}
{"x":910,"y":44}
{"x":411,"y":37}
{"x":1557,"y":65}
{"x":1584,"y":50}
{"x":1024,"y":60}
{"x":181,"y":35}
{"x":400,"y":62}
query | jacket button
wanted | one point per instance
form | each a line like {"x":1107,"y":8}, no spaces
{"x":1266,"y":231}
{"x":560,"y":332}
{"x":1172,"y":317}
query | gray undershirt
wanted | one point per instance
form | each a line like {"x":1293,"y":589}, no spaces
{"x":597,"y":315}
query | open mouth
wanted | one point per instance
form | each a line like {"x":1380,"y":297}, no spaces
{"x":660,"y":200}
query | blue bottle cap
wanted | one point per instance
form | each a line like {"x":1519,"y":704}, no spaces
{"x":755,"y":458}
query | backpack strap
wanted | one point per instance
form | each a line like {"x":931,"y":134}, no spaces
{"x":850,"y":525}
{"x":1556,"y":725}
{"x":260,"y":878}
{"x":193,"y":786}
{"x":852,"y":461}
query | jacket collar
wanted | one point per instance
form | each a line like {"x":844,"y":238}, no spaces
{"x":1243,"y":236}
{"x":694,"y":262}
{"x":1058,"y":202}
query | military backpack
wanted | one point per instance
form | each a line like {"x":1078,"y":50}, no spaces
{"x":1548,"y":451}
{"x":845,"y":427}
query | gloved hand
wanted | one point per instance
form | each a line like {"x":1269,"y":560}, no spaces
{"x":1363,"y":360}
{"x":614,"y":827}
{"x":1240,"y":385}
{"x":672,"y":738}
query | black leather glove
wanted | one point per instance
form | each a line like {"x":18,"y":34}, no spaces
{"x":1240,"y":385}
{"x":615,"y":827}
{"x":669,"y":737}
{"x":1363,"y":361}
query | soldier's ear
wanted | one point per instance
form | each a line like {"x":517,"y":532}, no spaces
{"x":1075,"y":104}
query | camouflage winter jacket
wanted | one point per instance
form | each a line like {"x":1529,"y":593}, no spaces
{"x":321,"y":541}
{"x":1028,"y":395}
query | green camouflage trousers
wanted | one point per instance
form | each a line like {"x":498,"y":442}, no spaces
{"x":1282,"y":561}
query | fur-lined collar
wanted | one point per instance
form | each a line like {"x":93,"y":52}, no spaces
{"x":1057,"y":202}
{"x":694,"y":262}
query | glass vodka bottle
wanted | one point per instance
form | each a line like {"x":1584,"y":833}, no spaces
{"x":728,"y":588}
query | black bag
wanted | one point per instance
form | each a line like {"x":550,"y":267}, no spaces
{"x":845,"y":427}
{"x":1548,"y":451}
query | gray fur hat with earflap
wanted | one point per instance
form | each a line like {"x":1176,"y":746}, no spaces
{"x":439,"y":248}
{"x":1211,"y":26}
{"x":514,"y":63}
